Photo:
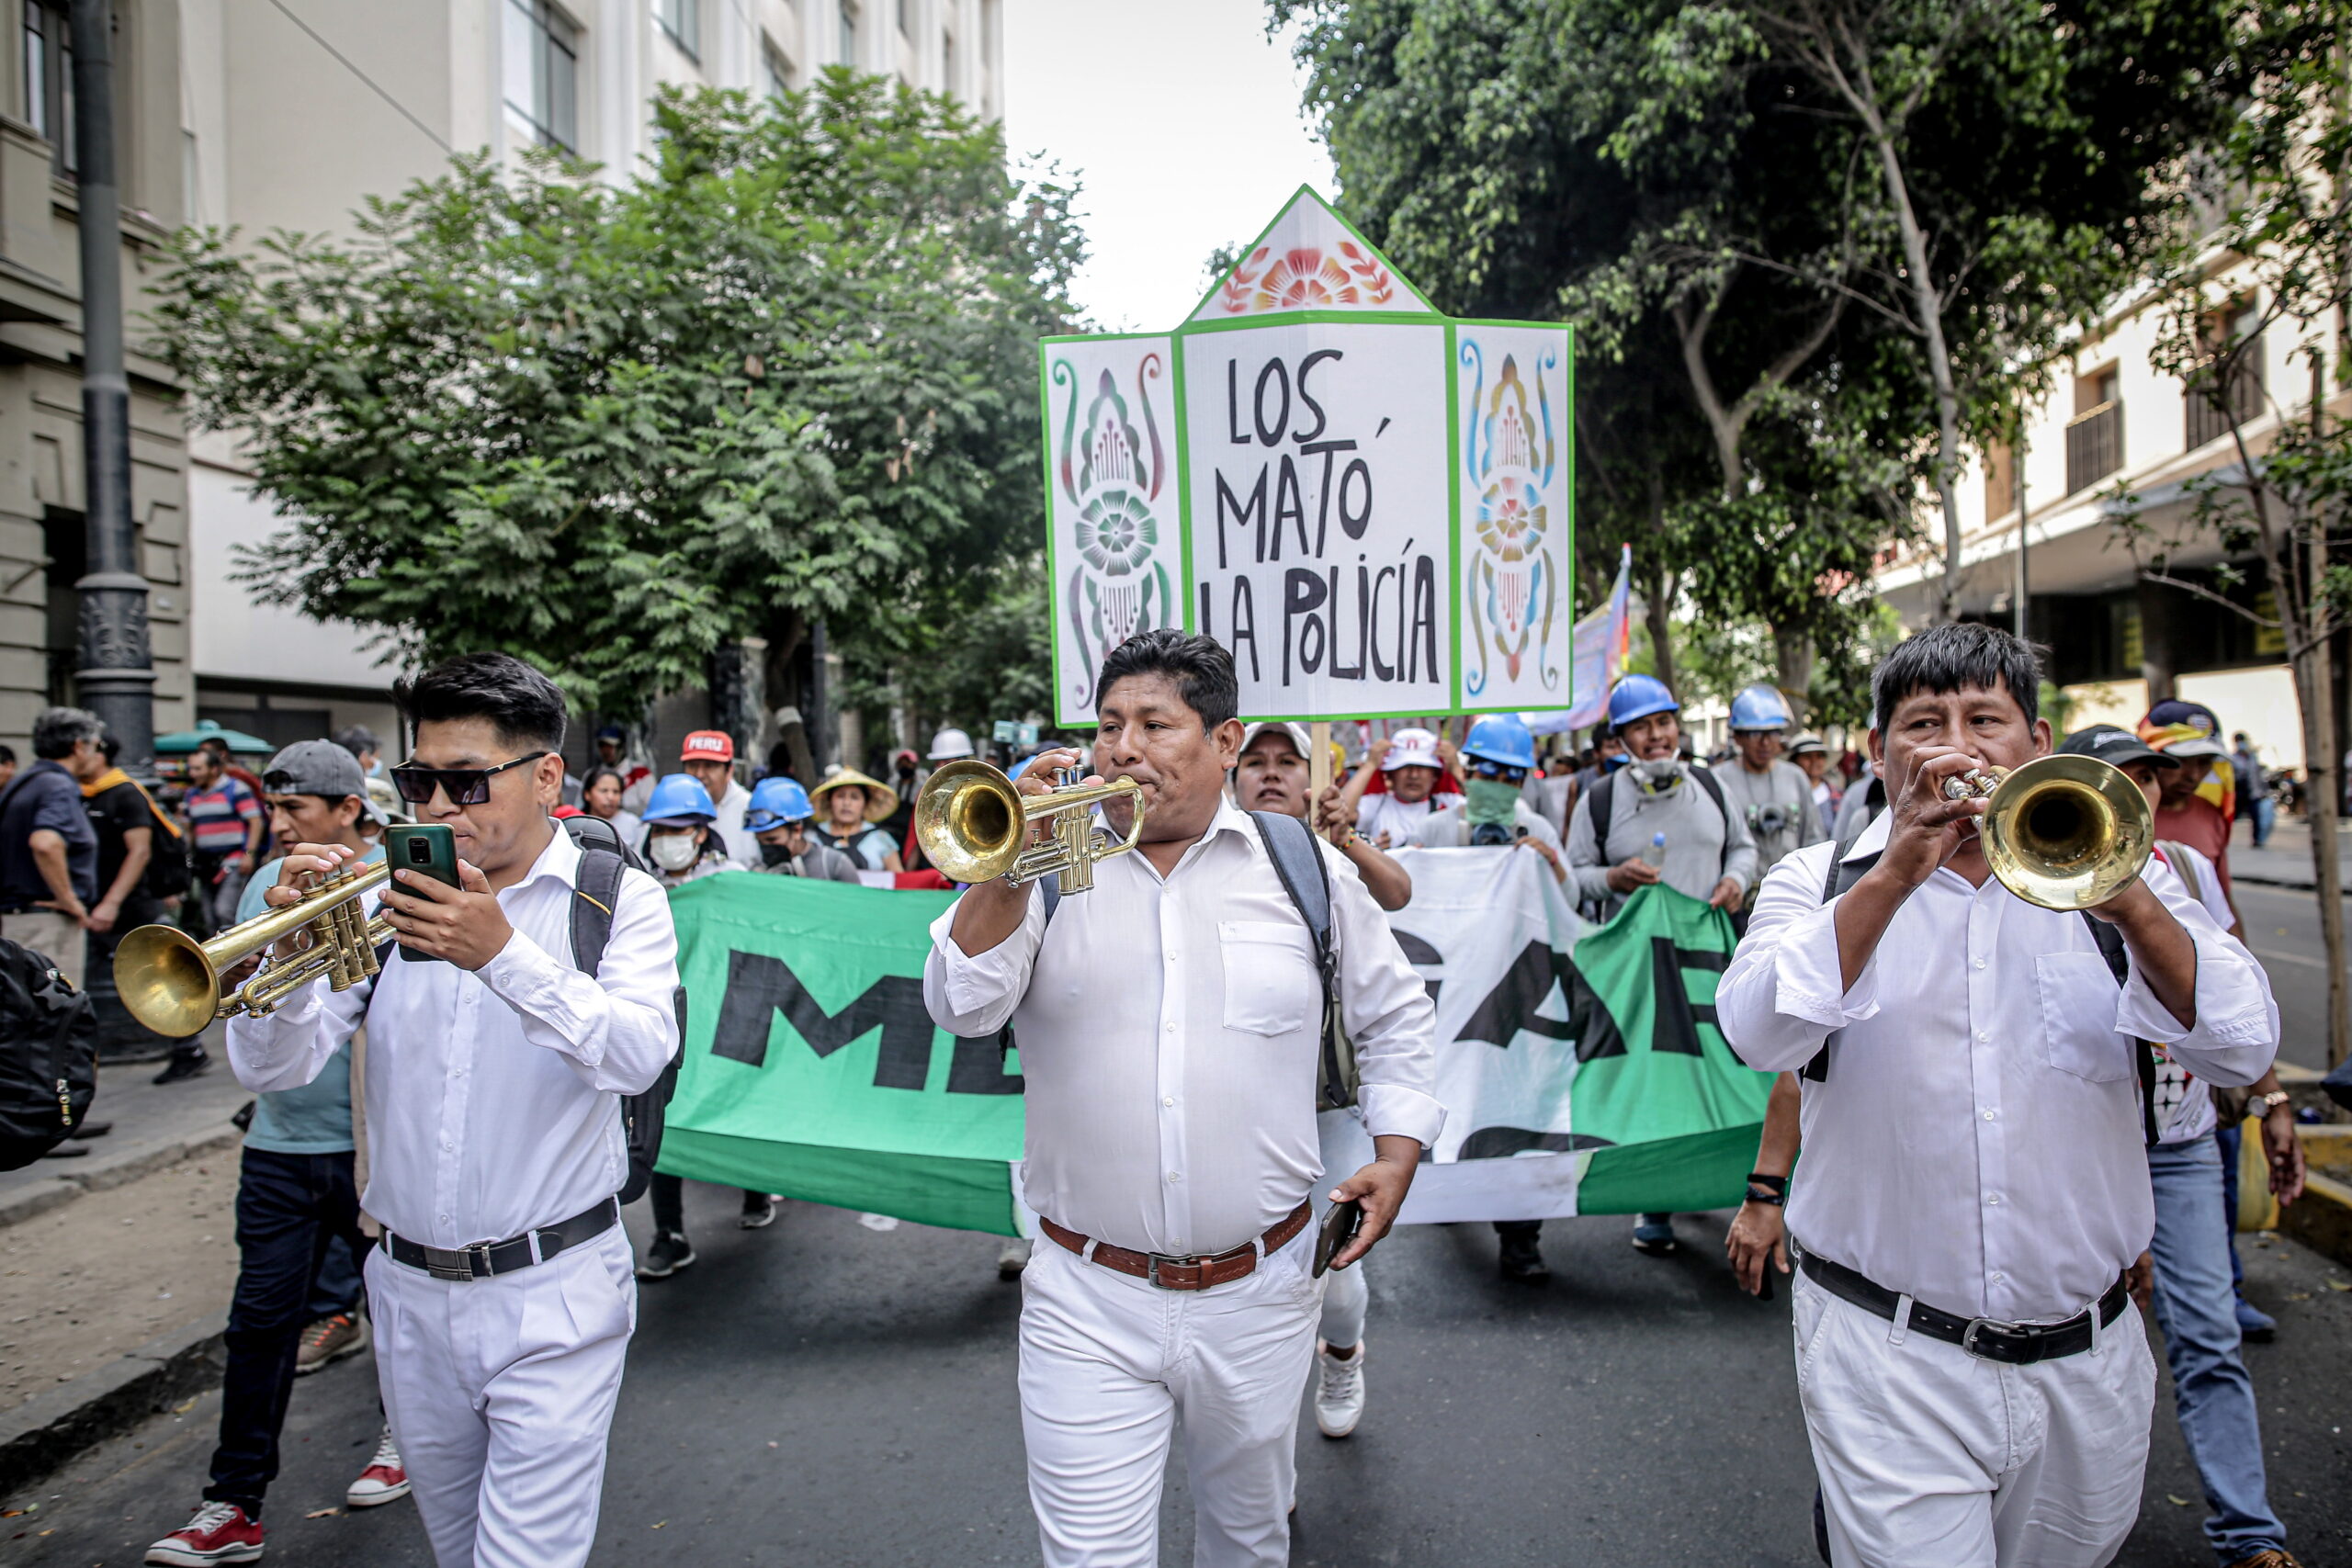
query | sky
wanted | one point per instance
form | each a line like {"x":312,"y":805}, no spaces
{"x":1182,"y":122}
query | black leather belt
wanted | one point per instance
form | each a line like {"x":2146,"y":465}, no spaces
{"x":484,"y":1258}
{"x":2017,"y":1344}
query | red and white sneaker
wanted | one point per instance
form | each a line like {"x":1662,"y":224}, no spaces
{"x":384,"y":1480}
{"x":219,"y":1533}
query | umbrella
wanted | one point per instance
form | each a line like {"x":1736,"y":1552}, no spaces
{"x":184,"y":742}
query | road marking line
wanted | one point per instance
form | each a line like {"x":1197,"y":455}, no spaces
{"x":2289,"y":958}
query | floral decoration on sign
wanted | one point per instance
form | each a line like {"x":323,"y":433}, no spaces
{"x":1305,"y":278}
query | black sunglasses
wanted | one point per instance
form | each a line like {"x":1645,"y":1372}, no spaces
{"x":466,"y":787}
{"x":1478,"y":767}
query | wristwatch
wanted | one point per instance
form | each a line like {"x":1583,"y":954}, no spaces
{"x":2263,"y":1104}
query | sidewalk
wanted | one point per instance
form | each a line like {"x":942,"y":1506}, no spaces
{"x":2286,"y":859}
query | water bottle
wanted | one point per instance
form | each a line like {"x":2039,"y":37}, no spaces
{"x":1655,"y":856}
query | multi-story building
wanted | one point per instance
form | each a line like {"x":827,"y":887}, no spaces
{"x":2114,"y":421}
{"x":42,"y":552}
{"x":294,"y":110}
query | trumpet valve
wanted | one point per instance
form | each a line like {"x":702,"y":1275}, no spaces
{"x":1974,"y":784}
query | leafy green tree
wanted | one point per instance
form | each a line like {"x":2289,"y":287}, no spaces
{"x":786,"y":372}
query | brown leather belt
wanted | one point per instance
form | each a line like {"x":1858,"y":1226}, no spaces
{"x":1195,"y":1273}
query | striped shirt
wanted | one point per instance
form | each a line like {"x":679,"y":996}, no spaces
{"x":221,"y":818}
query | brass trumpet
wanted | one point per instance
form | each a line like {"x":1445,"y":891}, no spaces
{"x":2063,"y":832}
{"x":171,"y":982}
{"x":974,"y":824}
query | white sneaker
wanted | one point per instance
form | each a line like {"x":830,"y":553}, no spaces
{"x":1338,"y":1391}
{"x":1012,"y":1258}
{"x":384,"y":1480}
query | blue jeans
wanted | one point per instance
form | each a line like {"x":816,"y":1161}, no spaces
{"x":2265,"y":816}
{"x":2196,"y":1310}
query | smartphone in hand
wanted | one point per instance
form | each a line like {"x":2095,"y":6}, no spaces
{"x":1340,"y":1223}
{"x":428,"y":849}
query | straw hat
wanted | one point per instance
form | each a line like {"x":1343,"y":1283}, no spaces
{"x":880,"y":799}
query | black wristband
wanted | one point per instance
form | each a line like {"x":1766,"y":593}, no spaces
{"x":1766,"y":1195}
{"x":1777,"y":1183}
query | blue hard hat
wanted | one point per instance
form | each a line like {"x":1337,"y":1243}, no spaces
{"x":775,"y":802}
{"x":1760,"y":708}
{"x":680,"y":797}
{"x":1502,"y":737}
{"x":1638,"y":696}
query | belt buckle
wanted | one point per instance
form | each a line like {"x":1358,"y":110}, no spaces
{"x":1152,"y":1261}
{"x":457,"y":1263}
{"x":1968,"y":1334}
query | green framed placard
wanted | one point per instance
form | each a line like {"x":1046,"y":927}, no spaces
{"x":1366,"y":501}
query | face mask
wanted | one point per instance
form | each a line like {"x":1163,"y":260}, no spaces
{"x":1490,"y":801}
{"x":1661,"y":776}
{"x":673,"y":852}
{"x":775,"y":854}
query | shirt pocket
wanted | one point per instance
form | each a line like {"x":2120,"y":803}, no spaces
{"x":1270,"y":981}
{"x":2078,"y":1001}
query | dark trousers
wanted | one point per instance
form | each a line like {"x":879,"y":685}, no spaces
{"x":669,"y":1195}
{"x":289,"y":1207}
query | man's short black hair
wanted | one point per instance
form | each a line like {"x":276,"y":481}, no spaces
{"x":1955,"y":657}
{"x":522,"y":705}
{"x":8,"y":755}
{"x":1200,"y":666}
{"x":357,"y":740}
{"x":56,"y":731}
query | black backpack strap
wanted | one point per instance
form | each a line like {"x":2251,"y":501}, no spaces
{"x":2118,"y":964}
{"x":595,"y":890}
{"x":1603,"y":795}
{"x":1292,"y":847}
{"x":1841,"y":874}
{"x":1714,"y":786}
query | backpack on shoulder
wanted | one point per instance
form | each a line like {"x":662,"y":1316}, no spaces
{"x":603,"y":858}
{"x":49,"y":1056}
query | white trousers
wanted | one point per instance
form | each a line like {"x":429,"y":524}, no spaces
{"x":500,"y":1393}
{"x":1929,"y":1458}
{"x":1107,"y":1363}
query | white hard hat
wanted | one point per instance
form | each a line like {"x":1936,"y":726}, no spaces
{"x":1410,"y":749}
{"x":950,"y":744}
{"x":1297,"y":733}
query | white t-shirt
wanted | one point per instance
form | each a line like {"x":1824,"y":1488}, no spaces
{"x":1378,"y":813}
{"x":2185,"y":1107}
{"x":1450,"y":829}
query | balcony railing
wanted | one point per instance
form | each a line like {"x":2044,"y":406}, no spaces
{"x":2240,"y":404}
{"x":2094,"y":445}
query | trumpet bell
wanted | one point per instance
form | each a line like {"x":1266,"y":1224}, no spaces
{"x":2067,"y":832}
{"x":970,"y":821}
{"x":166,"y":981}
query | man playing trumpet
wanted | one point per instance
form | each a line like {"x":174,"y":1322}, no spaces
{"x":1975,"y":1189}
{"x":1170,"y":1025}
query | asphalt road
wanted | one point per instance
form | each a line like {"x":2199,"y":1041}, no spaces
{"x":2282,"y":928}
{"x":823,"y":1394}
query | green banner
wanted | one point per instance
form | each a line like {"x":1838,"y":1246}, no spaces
{"x":810,"y":1067}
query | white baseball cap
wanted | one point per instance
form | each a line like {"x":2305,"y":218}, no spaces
{"x":1410,"y":749}
{"x":948,"y":745}
{"x":1297,"y":733}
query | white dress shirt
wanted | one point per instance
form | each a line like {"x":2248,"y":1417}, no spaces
{"x":1978,"y":1141}
{"x":1169,"y":1032}
{"x":742,"y":844}
{"x":494,"y":1095}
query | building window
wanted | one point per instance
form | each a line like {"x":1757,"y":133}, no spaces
{"x":682,"y":20}
{"x":2212,"y":410}
{"x":778,"y":69}
{"x":48,"y":80}
{"x":542,"y":50}
{"x":2095,"y":435}
{"x":849,"y":32}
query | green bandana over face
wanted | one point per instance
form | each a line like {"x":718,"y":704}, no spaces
{"x":1490,"y":801}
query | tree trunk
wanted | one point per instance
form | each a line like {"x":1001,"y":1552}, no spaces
{"x":2315,"y":695}
{"x":1657,"y":602}
{"x":1793,"y":652}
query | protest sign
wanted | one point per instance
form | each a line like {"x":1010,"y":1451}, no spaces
{"x":810,"y":1067}
{"x":1580,"y":1068}
{"x":1368,"y":502}
{"x":1601,"y":642}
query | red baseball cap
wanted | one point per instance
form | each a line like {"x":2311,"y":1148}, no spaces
{"x":708,"y":746}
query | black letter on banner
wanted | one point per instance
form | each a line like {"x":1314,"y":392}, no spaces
{"x":977,"y":1066}
{"x":1675,"y":1029}
{"x":758,"y":986}
{"x":1424,"y":633}
{"x":1354,"y":524}
{"x":1310,"y":363}
{"x":1255,"y":511}
{"x":1245,"y":625}
{"x":1381,"y":667}
{"x":1302,"y":593}
{"x":1289,"y":505}
{"x":1323,"y":492}
{"x":1511,"y":1006}
{"x":1339,"y":671}
{"x":1275,"y":368}
{"x":1233,"y":403}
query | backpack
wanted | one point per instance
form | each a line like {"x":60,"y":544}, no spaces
{"x":1603,"y":795}
{"x":1842,"y":875}
{"x":1291,"y":846}
{"x":49,"y":1056}
{"x":603,"y":857}
{"x":170,"y":867}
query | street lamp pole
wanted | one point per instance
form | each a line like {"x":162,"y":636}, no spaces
{"x":117,"y":678}
{"x":2025,"y":519}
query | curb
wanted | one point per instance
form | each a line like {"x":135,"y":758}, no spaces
{"x":132,"y":1163}
{"x":2321,"y":1218}
{"x":42,"y":1434}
